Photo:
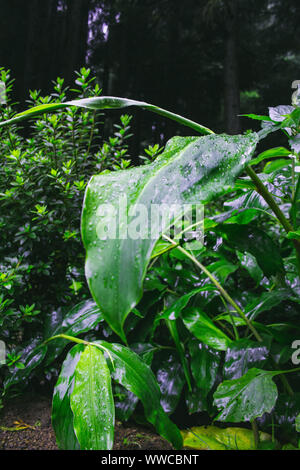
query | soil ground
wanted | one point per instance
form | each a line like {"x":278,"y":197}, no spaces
{"x":36,"y":412}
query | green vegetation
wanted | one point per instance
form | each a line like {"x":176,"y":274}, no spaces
{"x":170,"y":321}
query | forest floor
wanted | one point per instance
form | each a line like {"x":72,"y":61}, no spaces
{"x":34,"y":414}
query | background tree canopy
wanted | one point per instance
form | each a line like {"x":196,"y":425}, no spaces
{"x":210,"y":60}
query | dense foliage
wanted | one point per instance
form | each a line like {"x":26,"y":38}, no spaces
{"x":210,"y":329}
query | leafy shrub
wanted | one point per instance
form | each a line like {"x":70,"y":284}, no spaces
{"x":42,"y":183}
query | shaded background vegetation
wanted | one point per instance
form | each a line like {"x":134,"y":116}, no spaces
{"x":207,"y":59}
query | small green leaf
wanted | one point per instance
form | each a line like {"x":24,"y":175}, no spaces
{"x":92,"y":401}
{"x":271,"y":153}
{"x":247,"y":397}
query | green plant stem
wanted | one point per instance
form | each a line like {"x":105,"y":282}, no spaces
{"x":263,"y":191}
{"x":171,"y":324}
{"x":69,"y":338}
{"x":219,"y":287}
{"x":255,"y":434}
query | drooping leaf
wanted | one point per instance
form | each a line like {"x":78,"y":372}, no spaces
{"x":214,"y":438}
{"x":62,"y":415}
{"x":81,"y":318}
{"x":92,"y":401}
{"x":247,"y":397}
{"x":105,"y":102}
{"x":136,"y":376}
{"x":203,"y":328}
{"x":242,"y":355}
{"x":192,"y":170}
{"x":126,"y":401}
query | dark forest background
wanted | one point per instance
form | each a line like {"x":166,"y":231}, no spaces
{"x":209,"y":60}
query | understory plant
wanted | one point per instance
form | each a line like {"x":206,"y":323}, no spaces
{"x":212,"y":326}
{"x":42,"y":182}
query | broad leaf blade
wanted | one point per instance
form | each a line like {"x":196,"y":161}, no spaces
{"x":62,"y":416}
{"x":106,"y":102}
{"x":246,"y":398}
{"x":192,"y":170}
{"x":203,"y":328}
{"x":131,"y":372}
{"x":92,"y":401}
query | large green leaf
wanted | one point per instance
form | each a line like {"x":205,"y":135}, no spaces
{"x":192,"y":170}
{"x":62,"y":415}
{"x":92,"y":401}
{"x":137,"y":377}
{"x":247,"y":397}
{"x":105,"y":102}
{"x":203,"y":328}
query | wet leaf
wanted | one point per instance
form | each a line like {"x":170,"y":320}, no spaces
{"x":136,"y":376}
{"x":203,"y":328}
{"x":31,"y":357}
{"x":246,"y":238}
{"x":81,"y":318}
{"x":247,"y":397}
{"x":92,"y":401}
{"x":62,"y":415}
{"x":242,"y":355}
{"x":192,"y":170}
{"x":170,"y":379}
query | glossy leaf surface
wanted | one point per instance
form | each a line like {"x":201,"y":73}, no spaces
{"x":242,"y":355}
{"x":203,"y":328}
{"x":92,"y":401}
{"x":62,"y":415}
{"x":137,"y":377}
{"x":192,"y":170}
{"x":246,"y":398}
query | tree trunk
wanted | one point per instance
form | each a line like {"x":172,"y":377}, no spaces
{"x":76,"y":43}
{"x":231,"y":80}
